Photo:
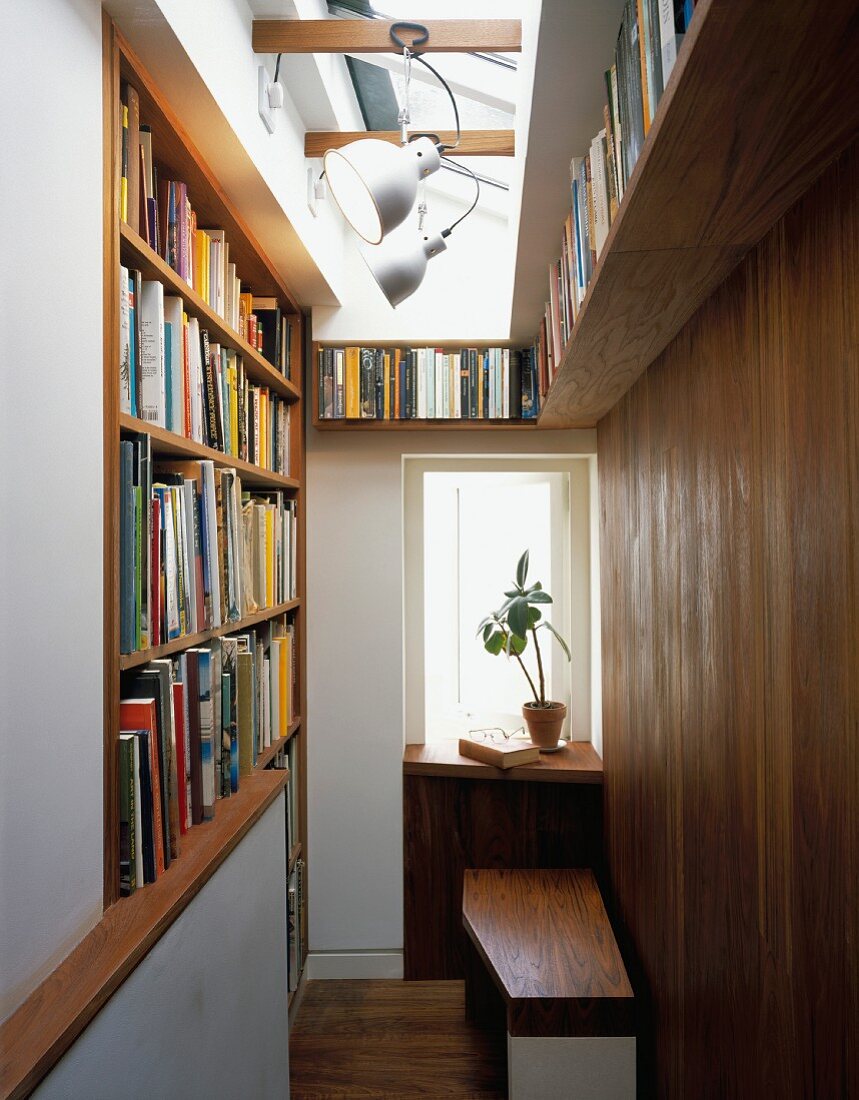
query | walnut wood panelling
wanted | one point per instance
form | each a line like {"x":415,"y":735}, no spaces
{"x":545,"y":938}
{"x":374,"y":36}
{"x":730,"y":600}
{"x":454,"y":823}
{"x":473,"y":143}
{"x":755,"y":109}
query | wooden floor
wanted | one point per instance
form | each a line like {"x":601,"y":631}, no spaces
{"x":393,"y":1040}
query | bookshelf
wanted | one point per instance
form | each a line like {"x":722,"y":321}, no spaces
{"x":752,"y":114}
{"x":202,"y":848}
{"x":414,"y":425}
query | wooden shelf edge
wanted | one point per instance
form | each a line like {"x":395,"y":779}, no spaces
{"x":757,"y":144}
{"x":578,"y":762}
{"x":188,"y":641}
{"x":179,"y":446}
{"x":260,"y":368}
{"x":267,"y":755}
{"x":422,"y":425}
{"x":36,"y":1036}
{"x":295,"y":852}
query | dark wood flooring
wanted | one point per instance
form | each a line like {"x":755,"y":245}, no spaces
{"x":393,"y":1040}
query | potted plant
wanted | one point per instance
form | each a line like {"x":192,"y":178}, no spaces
{"x":506,"y":631}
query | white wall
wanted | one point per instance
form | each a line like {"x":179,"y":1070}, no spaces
{"x":50,"y":487}
{"x":204,"y":1015}
{"x":355,"y":677}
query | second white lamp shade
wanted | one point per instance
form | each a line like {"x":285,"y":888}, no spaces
{"x":375,"y":183}
{"x":399,"y":264}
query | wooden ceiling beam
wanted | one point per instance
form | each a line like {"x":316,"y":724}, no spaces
{"x":373,"y":36}
{"x":474,"y":143}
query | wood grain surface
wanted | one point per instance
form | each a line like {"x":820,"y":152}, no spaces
{"x":754,"y":111}
{"x":546,"y":941}
{"x":576,"y":762}
{"x":47,"y":1023}
{"x":450,"y":824}
{"x":373,"y":36}
{"x":729,"y":479}
{"x":392,"y":1040}
{"x":473,"y":143}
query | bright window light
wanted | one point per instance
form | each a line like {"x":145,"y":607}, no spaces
{"x":476,"y":526}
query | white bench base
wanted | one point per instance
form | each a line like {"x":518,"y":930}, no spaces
{"x":571,"y":1068}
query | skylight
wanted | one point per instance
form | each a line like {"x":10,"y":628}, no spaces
{"x":484,"y":86}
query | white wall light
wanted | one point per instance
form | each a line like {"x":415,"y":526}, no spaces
{"x":375,"y":183}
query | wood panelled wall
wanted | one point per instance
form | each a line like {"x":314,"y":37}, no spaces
{"x":730,"y":570}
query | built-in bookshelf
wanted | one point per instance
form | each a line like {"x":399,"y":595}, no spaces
{"x":751,"y":114}
{"x":460,"y":374}
{"x":268,"y":470}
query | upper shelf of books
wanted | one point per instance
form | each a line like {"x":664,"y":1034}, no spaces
{"x":178,"y":159}
{"x":752,"y":111}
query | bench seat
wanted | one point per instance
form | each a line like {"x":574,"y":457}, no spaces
{"x":545,"y":941}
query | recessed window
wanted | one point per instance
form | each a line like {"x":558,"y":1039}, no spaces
{"x":467,"y":523}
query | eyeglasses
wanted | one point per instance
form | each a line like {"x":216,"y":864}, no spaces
{"x":494,"y":733}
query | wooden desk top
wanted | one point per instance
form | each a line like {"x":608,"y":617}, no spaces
{"x":547,"y":943}
{"x":576,"y":762}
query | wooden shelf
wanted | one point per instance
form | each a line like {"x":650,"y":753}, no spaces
{"x":294,"y":854}
{"x":267,"y":755}
{"x":47,"y":1023}
{"x":576,"y":762}
{"x":188,"y":641}
{"x":422,"y":425}
{"x":137,"y":253}
{"x":753,"y":112}
{"x":167,"y":444}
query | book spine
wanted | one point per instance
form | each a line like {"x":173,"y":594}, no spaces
{"x":368,"y":384}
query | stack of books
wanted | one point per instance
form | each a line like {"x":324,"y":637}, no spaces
{"x":425,"y":384}
{"x":650,"y":36}
{"x":196,"y":552}
{"x":190,"y":728}
{"x":171,"y":375}
{"x":160,"y":211}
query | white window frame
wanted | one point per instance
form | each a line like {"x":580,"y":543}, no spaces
{"x":585,"y":718}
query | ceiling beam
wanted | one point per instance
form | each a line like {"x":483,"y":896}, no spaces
{"x":373,"y":36}
{"x":474,"y":143}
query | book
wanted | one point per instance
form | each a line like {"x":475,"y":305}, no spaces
{"x":128,"y":814}
{"x":139,"y":715}
{"x":502,"y":755}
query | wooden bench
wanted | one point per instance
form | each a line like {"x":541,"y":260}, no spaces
{"x":544,"y":940}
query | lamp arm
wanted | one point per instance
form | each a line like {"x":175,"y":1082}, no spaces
{"x":447,"y":232}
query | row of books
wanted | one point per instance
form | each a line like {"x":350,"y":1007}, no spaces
{"x":191,"y":728}
{"x":160,"y":211}
{"x":296,"y":916}
{"x":425,"y":384}
{"x":650,"y":36}
{"x":196,"y":552}
{"x":296,"y":923}
{"x":172,"y":375}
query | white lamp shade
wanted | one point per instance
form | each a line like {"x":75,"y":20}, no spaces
{"x":375,"y":183}
{"x":399,"y":264}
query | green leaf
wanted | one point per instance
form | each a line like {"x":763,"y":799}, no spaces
{"x":539,"y":597}
{"x":488,"y":621}
{"x":561,"y":641}
{"x":494,"y":643}
{"x":517,"y":616}
{"x":502,"y":610}
{"x":522,"y":569}
{"x":487,"y":630}
{"x":534,"y":616}
{"x":513,"y":593}
{"x":515,"y":644}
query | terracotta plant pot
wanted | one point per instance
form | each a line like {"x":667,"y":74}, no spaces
{"x":545,"y":724}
